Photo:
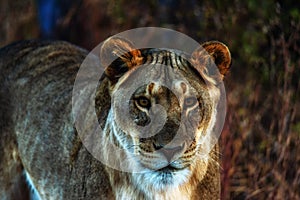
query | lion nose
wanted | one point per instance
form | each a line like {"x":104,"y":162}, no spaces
{"x":169,"y":152}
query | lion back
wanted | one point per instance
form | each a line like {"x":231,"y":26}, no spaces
{"x":36,"y":123}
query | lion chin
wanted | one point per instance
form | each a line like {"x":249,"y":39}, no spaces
{"x":161,"y":179}
{"x":163,"y":174}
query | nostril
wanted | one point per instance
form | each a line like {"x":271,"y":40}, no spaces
{"x":157,"y":146}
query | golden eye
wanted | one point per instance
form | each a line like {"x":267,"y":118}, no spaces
{"x":190,"y":102}
{"x":143,"y":102}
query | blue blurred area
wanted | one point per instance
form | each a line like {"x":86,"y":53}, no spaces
{"x":169,"y":3}
{"x":49,"y":12}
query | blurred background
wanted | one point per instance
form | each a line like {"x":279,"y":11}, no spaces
{"x":260,"y":143}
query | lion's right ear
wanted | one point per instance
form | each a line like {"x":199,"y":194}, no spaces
{"x":118,"y":56}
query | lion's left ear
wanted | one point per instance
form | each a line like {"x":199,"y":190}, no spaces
{"x":210,"y":53}
{"x":118,"y":56}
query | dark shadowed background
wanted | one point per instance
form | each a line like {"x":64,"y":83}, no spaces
{"x":261,"y":138}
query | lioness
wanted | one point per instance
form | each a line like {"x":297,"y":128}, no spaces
{"x":43,"y":156}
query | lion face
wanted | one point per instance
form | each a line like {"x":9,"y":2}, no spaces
{"x":170,"y":153}
{"x":170,"y":114}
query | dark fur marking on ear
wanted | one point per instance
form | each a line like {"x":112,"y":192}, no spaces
{"x":214,"y":51}
{"x":118,"y":56}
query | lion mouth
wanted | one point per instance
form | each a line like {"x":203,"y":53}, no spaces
{"x":167,"y":174}
{"x":168,"y":169}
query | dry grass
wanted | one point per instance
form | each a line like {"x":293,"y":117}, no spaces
{"x":18,"y":21}
{"x":261,"y":139}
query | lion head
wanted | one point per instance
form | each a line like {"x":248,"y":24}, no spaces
{"x":163,"y":109}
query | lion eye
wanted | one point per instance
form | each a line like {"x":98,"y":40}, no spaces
{"x":143,"y":102}
{"x":190,"y":101}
